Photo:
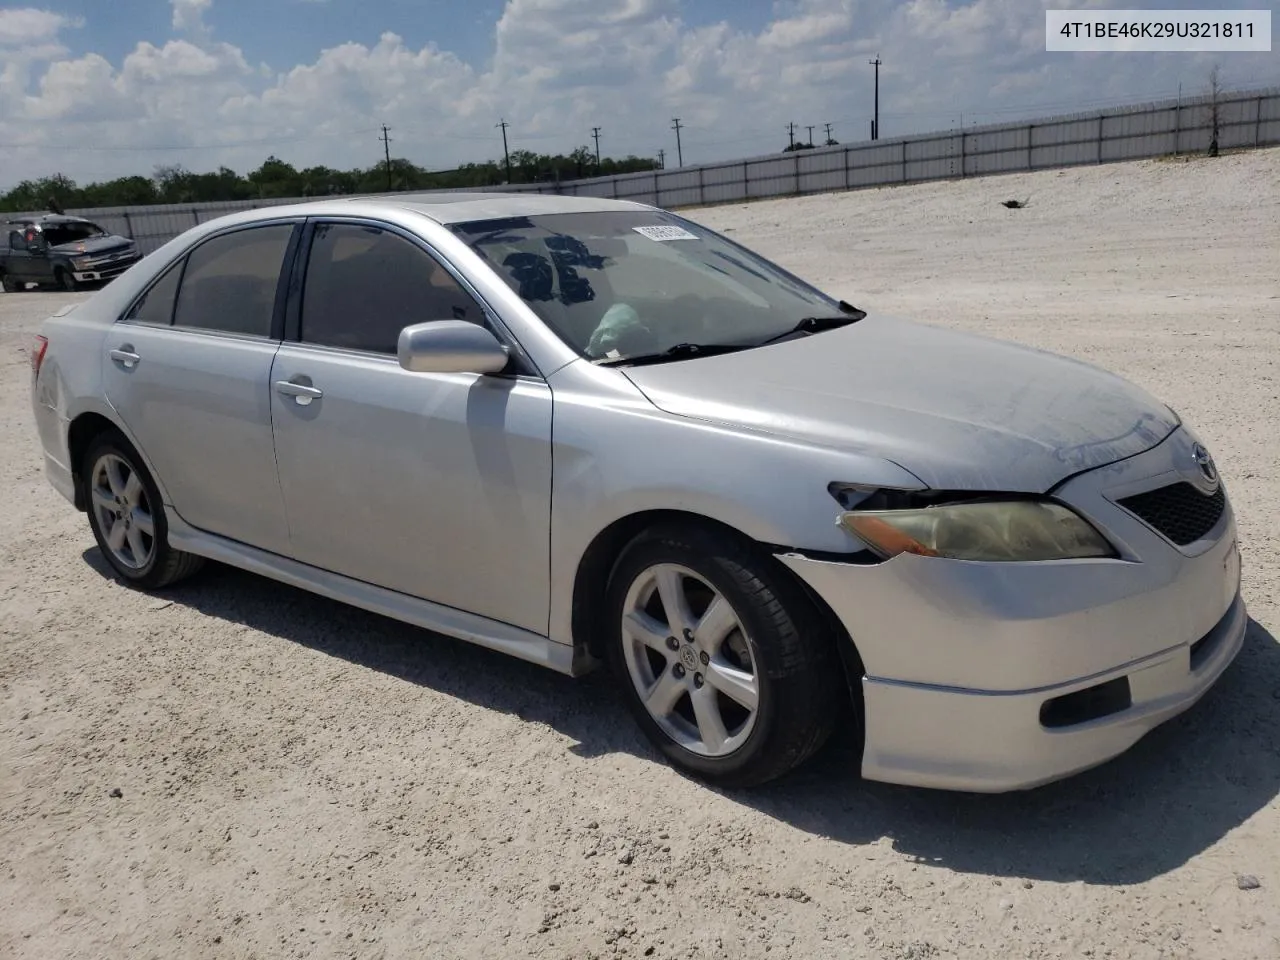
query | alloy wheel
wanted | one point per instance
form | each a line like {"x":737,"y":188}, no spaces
{"x":123,"y":512}
{"x":689,"y":659}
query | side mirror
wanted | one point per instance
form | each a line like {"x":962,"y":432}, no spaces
{"x":450,"y":346}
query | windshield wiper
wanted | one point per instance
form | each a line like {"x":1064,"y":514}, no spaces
{"x":680,"y":351}
{"x":850,"y":315}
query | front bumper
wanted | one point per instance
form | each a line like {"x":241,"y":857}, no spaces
{"x":963,"y":659}
{"x":104,"y":271}
{"x":989,"y":742}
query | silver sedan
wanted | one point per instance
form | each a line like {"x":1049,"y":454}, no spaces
{"x":584,"y":431}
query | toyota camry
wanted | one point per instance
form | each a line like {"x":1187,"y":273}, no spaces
{"x":585,"y":431}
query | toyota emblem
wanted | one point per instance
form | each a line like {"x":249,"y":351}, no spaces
{"x":1205,"y":462}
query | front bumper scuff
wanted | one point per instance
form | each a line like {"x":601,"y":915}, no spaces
{"x":993,"y":741}
{"x":960,"y":657}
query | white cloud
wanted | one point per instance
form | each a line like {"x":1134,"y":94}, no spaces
{"x":188,"y":15}
{"x":26,"y":25}
{"x":557,"y":68}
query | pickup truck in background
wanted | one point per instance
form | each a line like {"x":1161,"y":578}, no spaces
{"x":54,"y":250}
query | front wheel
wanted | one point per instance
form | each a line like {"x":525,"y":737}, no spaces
{"x":724,"y":662}
{"x":127,"y":516}
{"x":66,"y":280}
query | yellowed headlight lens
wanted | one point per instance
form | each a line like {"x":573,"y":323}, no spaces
{"x":1014,"y":530}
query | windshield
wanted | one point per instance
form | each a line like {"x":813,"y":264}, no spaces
{"x":60,"y":233}
{"x":619,"y":284}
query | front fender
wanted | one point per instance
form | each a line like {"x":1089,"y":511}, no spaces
{"x":616,"y":455}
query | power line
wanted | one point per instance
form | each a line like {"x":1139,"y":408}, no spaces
{"x":386,"y":147}
{"x":875,"y":124}
{"x":506,"y":154}
{"x":675,"y":125}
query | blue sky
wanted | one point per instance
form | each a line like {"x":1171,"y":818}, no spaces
{"x":101,"y":88}
{"x":293,"y":31}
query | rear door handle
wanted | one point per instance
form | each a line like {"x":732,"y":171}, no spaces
{"x":301,"y":392}
{"x":125,"y":355}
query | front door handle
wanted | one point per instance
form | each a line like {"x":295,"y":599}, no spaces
{"x":302,"y":393}
{"x":124,"y":355}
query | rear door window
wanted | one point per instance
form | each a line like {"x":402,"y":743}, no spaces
{"x":156,"y":305}
{"x":230,"y":282}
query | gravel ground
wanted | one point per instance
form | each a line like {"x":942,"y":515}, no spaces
{"x":239,"y":769}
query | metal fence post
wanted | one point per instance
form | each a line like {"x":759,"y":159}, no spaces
{"x":1031,"y":132}
{"x":746,"y":181}
{"x":1257,"y":122}
{"x":904,"y":161}
{"x":657,"y":190}
{"x":1177,"y":128}
{"x":195,"y":215}
{"x":1100,"y":119}
{"x":962,"y":141}
{"x":615,"y":188}
{"x":702,"y":194}
{"x":796,"y":167}
{"x":846,"y":168}
{"x":128,"y":225}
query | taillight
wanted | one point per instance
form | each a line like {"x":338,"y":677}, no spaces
{"x":38,"y":350}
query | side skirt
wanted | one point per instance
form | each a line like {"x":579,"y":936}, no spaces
{"x":389,"y":603}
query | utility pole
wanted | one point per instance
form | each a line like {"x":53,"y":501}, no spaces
{"x":810,"y":129}
{"x":386,"y":149}
{"x":506,"y":154}
{"x":595,"y":132}
{"x":675,"y":125}
{"x":791,"y":136}
{"x":828,"y":126}
{"x":662,"y":159}
{"x":875,"y":124}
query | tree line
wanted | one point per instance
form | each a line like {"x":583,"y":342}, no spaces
{"x":276,"y":178}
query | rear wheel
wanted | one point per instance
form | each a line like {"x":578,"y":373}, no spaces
{"x":724,"y":662}
{"x":127,"y":516}
{"x":66,"y":280}
{"x":10,"y":285}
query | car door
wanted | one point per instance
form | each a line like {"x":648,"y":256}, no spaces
{"x":21,"y":261}
{"x":188,"y":371}
{"x":433,"y":485}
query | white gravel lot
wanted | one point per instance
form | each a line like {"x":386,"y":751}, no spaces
{"x":300,"y":779}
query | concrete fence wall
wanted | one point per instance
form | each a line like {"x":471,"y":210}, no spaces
{"x":1245,"y":120}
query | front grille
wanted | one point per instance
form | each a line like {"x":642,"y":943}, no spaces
{"x":1179,"y":511}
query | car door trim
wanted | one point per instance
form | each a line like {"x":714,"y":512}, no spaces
{"x":526,"y":368}
{"x":470,"y":627}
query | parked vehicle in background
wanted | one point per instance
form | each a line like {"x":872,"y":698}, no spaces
{"x":580,"y":430}
{"x":55,"y":250}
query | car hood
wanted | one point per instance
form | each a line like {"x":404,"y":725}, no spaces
{"x":94,"y":247}
{"x":961,"y":412}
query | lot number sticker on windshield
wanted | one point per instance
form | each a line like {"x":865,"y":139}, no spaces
{"x":665,"y":233}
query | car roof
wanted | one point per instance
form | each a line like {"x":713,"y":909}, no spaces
{"x":447,"y":208}
{"x":49,"y":218}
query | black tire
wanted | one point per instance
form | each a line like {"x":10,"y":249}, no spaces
{"x":66,"y":280}
{"x":10,"y":285}
{"x":165,"y":565}
{"x":797,"y":665}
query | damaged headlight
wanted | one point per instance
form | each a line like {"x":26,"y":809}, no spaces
{"x":991,"y":531}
